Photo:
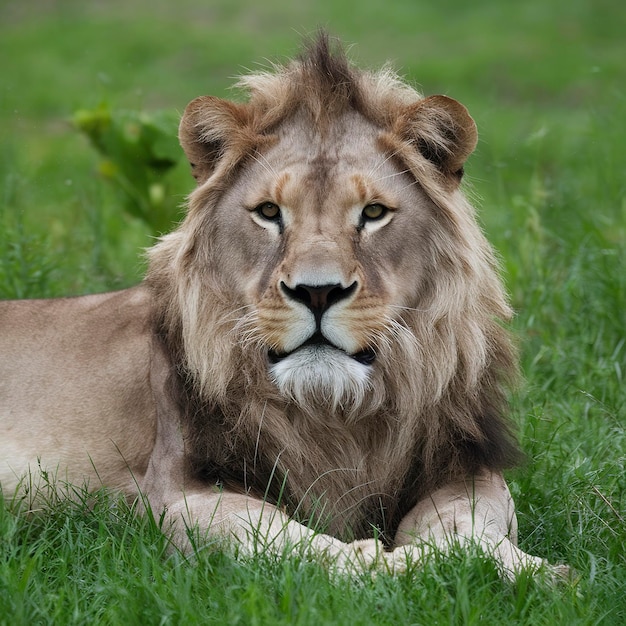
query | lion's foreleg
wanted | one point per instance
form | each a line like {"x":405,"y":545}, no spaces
{"x":480,"y":510}
{"x":253,"y":526}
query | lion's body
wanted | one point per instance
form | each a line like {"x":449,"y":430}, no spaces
{"x":322,"y":333}
{"x":74,"y":383}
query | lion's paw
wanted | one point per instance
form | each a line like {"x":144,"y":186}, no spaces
{"x":370,"y":556}
{"x":359,"y":556}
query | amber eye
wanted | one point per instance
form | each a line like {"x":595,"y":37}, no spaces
{"x":373,"y":212}
{"x":269,"y":211}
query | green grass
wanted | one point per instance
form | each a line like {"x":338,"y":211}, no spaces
{"x":545,"y":82}
{"x":98,"y":563}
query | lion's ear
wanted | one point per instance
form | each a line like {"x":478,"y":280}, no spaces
{"x":443,"y":132}
{"x":207,"y":127}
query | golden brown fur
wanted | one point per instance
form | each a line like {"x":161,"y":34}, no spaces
{"x":322,"y":332}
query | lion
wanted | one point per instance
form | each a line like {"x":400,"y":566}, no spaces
{"x":316,"y":358}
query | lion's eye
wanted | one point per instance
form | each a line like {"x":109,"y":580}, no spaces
{"x":269,"y":211}
{"x":373,"y":212}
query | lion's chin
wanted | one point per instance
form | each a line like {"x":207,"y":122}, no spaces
{"x":321,"y":374}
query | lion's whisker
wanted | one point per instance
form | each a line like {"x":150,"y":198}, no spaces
{"x":380,"y":164}
{"x":393,"y":175}
{"x":261,"y":159}
{"x":407,"y":308}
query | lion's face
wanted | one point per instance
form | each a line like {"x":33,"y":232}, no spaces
{"x":331,"y":235}
{"x":327,"y":250}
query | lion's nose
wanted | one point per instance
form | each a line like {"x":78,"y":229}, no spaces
{"x":318,"y":298}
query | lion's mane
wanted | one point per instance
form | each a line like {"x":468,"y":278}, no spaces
{"x":435,"y":407}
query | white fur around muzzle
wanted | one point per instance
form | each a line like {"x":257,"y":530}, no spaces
{"x":322,"y":373}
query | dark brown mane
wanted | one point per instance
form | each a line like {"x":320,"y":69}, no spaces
{"x":436,"y":407}
{"x":324,"y":83}
{"x":328,"y":84}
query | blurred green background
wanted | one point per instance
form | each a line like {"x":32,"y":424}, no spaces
{"x":543,"y":79}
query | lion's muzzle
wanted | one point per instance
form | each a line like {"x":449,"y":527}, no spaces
{"x":320,"y":366}
{"x":319,"y":299}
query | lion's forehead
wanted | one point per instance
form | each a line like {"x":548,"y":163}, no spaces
{"x":324,"y":185}
{"x":332,"y":170}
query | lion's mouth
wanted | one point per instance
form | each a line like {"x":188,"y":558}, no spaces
{"x":365,"y":357}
